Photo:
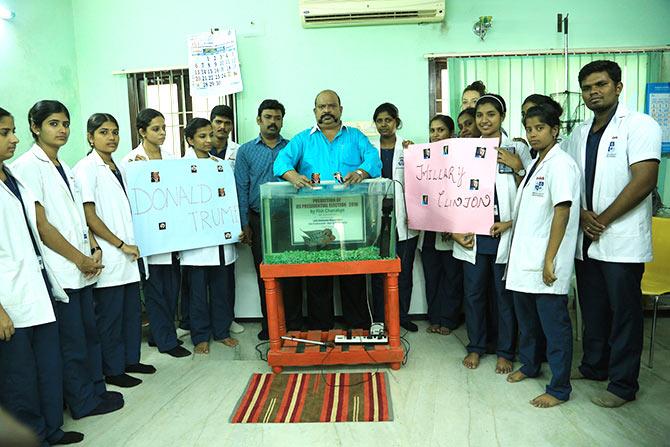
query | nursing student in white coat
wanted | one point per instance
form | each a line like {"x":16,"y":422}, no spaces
{"x":222,"y":118}
{"x":618,"y":153}
{"x":55,"y":188}
{"x":31,"y":371}
{"x":485,"y":256}
{"x":209,"y":269}
{"x":546,"y":222}
{"x":117,"y":292}
{"x":162,"y":281}
{"x":390,"y":147}
{"x":443,"y":274}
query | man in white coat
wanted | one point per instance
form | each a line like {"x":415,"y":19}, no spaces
{"x":618,"y":152}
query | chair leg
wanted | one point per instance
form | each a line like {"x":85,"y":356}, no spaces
{"x":653,"y":333}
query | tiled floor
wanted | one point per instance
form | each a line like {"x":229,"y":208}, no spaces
{"x":436,"y":402}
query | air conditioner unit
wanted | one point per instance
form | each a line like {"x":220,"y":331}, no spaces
{"x":324,"y":13}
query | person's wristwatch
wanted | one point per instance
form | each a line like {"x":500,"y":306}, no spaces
{"x":360,"y":172}
{"x":521,"y":172}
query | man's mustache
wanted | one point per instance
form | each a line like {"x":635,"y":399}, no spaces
{"x":272,"y":127}
{"x":326,"y":115}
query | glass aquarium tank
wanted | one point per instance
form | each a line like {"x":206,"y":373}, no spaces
{"x":332,"y":222}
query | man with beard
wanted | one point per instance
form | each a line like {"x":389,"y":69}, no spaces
{"x":329,"y":148}
{"x":254,"y":167}
{"x":618,"y":152}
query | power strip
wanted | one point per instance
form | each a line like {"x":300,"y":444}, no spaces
{"x":360,"y":340}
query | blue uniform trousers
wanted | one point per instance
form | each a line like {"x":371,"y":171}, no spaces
{"x":476,"y":280}
{"x":117,"y":313}
{"x":545,"y":314}
{"x":443,"y":275}
{"x":405,"y":251}
{"x":31,"y":380}
{"x":211,"y":301}
{"x":611,"y":301}
{"x":83,"y":382}
{"x":184,"y":294}
{"x":161,"y":291}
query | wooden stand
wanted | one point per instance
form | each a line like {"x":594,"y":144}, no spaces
{"x":289,"y":353}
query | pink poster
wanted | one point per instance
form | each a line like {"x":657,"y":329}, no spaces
{"x":449,"y":185}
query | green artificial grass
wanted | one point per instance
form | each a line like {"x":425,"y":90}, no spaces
{"x":309,"y":257}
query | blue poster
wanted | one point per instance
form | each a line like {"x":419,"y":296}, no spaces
{"x":657,"y":106}
{"x":182,"y":204}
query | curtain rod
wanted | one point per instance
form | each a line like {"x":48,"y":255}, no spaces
{"x":548,"y":52}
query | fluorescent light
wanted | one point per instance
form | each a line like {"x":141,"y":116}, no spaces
{"x":6,"y":14}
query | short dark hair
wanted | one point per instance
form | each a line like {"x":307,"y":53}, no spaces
{"x":222,"y":110}
{"x":469,"y":111}
{"x":41,"y":110}
{"x":144,"y":118}
{"x":548,"y":113}
{"x":391,"y":109}
{"x":193,"y":126}
{"x":446,"y":120}
{"x":477,"y":86}
{"x":98,"y":119}
{"x":4,"y":113}
{"x":543,"y":100}
{"x":612,"y":68}
{"x":496,"y":100}
{"x":271,"y":104}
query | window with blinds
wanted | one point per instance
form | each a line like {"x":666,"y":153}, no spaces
{"x":168,"y":92}
{"x":514,"y":77}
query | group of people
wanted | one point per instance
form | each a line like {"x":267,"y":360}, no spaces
{"x":70,"y":310}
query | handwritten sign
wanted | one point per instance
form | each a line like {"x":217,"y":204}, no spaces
{"x":213,"y":64}
{"x":182,"y":204}
{"x":342,"y":215}
{"x":449,"y":185}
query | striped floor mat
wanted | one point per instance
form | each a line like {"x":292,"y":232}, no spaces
{"x":335,"y":397}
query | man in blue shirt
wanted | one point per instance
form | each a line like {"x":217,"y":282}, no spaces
{"x":327,"y":151}
{"x":253,"y":168}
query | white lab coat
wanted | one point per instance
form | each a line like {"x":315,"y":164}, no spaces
{"x":64,"y":211}
{"x":23,"y":294}
{"x":506,"y":189}
{"x":398,"y":175}
{"x":100,"y":186}
{"x":231,"y":153}
{"x":555,"y":180}
{"x":207,"y":255}
{"x":629,"y":138}
{"x":162,"y":258}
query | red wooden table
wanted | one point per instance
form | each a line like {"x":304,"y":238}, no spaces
{"x":289,"y":353}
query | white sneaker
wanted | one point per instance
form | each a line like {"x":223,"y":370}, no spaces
{"x":236,"y":328}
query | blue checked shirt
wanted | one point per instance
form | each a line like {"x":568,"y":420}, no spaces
{"x":310,"y":152}
{"x":253,"y":167}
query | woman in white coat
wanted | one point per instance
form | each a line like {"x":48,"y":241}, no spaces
{"x":546,"y":223}
{"x":54,"y":186}
{"x":485,"y":256}
{"x":390,"y":147}
{"x":443,"y":274}
{"x":31,"y":371}
{"x":162,"y":281}
{"x":117,"y":292}
{"x":211,"y":283}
